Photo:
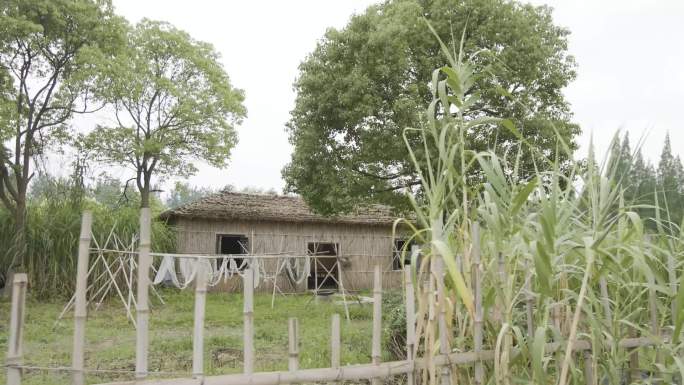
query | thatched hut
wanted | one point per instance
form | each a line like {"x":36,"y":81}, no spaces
{"x":343,"y":249}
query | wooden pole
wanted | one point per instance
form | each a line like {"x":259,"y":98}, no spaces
{"x":198,"y":335}
{"x":477,"y":282}
{"x":441,"y":317}
{"x":376,"y":353}
{"x":588,"y":368}
{"x":248,"y":313}
{"x":655,"y":329}
{"x":529,"y":301}
{"x":410,"y":321}
{"x":14,"y":343}
{"x":634,"y":372}
{"x":293,"y":346}
{"x":672,"y":276}
{"x":335,"y":342}
{"x":142,"y":307}
{"x":80,"y":309}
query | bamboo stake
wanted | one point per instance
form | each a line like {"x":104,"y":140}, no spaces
{"x":142,"y":307}
{"x":441,"y":317}
{"x":410,"y":321}
{"x":335,"y":342}
{"x":634,"y":360}
{"x":198,"y":336}
{"x":588,"y":368}
{"x":248,"y":313}
{"x":14,"y":343}
{"x":605,"y":300}
{"x":293,"y":346}
{"x":672,"y":275}
{"x":377,"y":321}
{"x":529,"y":301}
{"x":477,"y":282}
{"x":80,"y":311}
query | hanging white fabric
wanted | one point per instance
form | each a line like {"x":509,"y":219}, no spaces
{"x":167,"y":272}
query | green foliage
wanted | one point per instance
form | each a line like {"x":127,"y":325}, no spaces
{"x":364,"y":84}
{"x":183,"y":193}
{"x":54,"y":219}
{"x":642,"y":183}
{"x":173,"y":103}
{"x":565,"y":242}
{"x":47,"y":51}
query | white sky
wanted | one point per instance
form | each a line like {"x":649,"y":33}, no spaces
{"x":630,"y":75}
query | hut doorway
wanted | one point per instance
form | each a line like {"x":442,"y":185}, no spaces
{"x":324,"y":266}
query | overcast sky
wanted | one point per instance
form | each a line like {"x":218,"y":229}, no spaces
{"x":630,"y":74}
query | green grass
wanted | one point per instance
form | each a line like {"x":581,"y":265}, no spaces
{"x":111,"y":338}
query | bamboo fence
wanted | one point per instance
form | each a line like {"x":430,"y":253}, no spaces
{"x":376,"y":371}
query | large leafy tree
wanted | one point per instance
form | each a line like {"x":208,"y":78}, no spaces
{"x":47,"y":51}
{"x":362,"y":85}
{"x":173,"y":104}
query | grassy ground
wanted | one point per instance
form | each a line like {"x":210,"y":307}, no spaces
{"x":111,"y":338}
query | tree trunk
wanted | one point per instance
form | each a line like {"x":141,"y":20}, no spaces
{"x":19,"y":246}
{"x":145,"y":196}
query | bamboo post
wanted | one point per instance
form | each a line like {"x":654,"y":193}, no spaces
{"x":335,"y":342}
{"x":293,"y":346}
{"x":410,"y":321}
{"x":377,"y":321}
{"x":80,"y":308}
{"x":142,"y":307}
{"x":634,"y":371}
{"x":672,"y":275}
{"x":477,"y":281}
{"x":198,"y":335}
{"x":603,"y":284}
{"x":14,"y":342}
{"x":248,"y":313}
{"x":655,"y":329}
{"x":529,"y":301}
{"x":441,"y":318}
{"x":588,"y":368}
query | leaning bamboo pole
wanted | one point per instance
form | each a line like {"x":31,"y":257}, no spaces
{"x":14,"y":357}
{"x":142,"y":306}
{"x":377,"y":321}
{"x":248,"y":316}
{"x":198,"y":333}
{"x":80,"y":311}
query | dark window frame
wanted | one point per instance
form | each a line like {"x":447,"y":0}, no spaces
{"x":237,"y":238}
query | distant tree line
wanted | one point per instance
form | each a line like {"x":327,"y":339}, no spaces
{"x":654,"y":191}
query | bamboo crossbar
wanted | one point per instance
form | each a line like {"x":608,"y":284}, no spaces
{"x":369,"y":371}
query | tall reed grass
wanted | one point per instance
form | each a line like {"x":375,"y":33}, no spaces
{"x":52,"y":238}
{"x":563,"y":256}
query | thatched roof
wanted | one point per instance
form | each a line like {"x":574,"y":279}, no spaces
{"x":230,"y":205}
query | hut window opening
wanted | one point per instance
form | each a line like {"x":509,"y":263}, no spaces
{"x":405,"y":247}
{"x":324,"y":266}
{"x":233,"y":245}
